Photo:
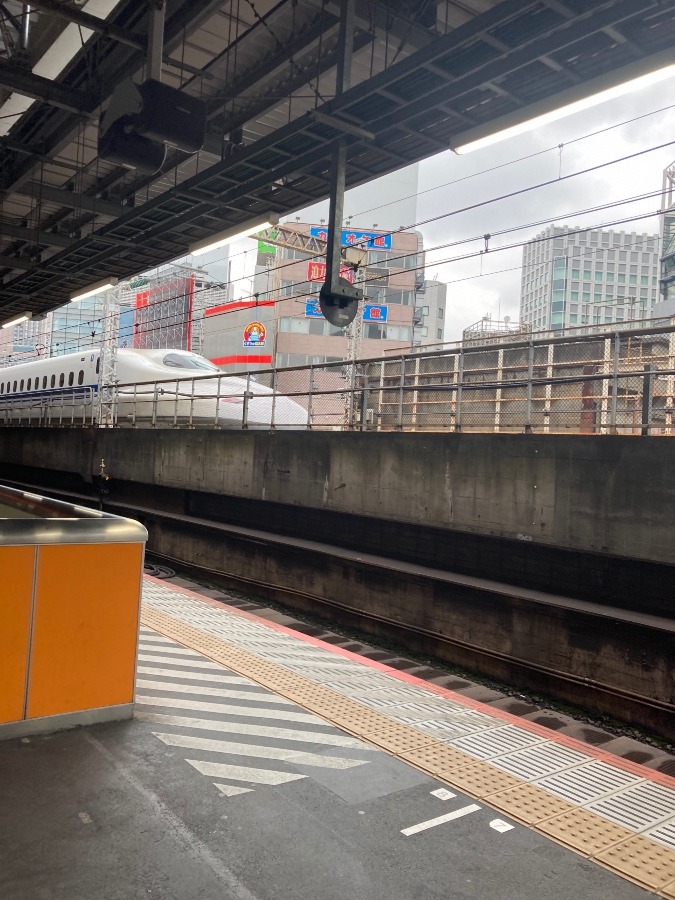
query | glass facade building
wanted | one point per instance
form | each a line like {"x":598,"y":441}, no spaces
{"x":572,"y":277}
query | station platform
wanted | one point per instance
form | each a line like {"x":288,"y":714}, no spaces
{"x":264,"y":764}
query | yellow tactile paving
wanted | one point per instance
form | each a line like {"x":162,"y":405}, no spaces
{"x":641,"y":860}
{"x":480,"y":780}
{"x":398,"y":739}
{"x":529,"y":804}
{"x":634,"y":857}
{"x":436,"y":757}
{"x":584,"y":831}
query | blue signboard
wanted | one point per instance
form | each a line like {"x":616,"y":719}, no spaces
{"x":367,"y":240}
{"x":375,"y":313}
{"x":312,"y":309}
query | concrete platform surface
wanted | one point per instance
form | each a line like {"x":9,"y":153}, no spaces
{"x":225,"y":787}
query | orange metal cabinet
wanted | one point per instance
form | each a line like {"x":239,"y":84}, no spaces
{"x":70,"y":591}
{"x":17,"y":566}
{"x":85,"y":627}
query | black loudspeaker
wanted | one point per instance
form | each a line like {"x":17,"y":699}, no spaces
{"x":142,"y":119}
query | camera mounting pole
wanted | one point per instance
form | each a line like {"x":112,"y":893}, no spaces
{"x":338,"y":299}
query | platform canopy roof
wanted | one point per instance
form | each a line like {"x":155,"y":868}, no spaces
{"x":425,"y":76}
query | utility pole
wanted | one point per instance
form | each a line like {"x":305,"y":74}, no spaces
{"x":107,"y":374}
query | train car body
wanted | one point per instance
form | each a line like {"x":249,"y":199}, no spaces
{"x":156,"y":387}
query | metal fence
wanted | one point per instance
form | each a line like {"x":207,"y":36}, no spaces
{"x":605,"y":382}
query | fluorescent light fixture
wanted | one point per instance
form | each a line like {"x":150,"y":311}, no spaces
{"x":97,"y":288}
{"x":568,"y":109}
{"x":234,"y":234}
{"x":17,"y":321}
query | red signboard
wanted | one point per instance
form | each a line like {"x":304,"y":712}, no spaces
{"x":316,"y":271}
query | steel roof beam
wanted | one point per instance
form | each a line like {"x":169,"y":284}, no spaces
{"x":34,"y":236}
{"x":38,"y":88}
{"x":70,"y":200}
{"x":15,"y":262}
{"x":93,"y":23}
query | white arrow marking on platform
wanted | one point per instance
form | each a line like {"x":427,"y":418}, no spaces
{"x":500,"y":825}
{"x":227,"y":709}
{"x":287,"y":734}
{"x":235,"y":749}
{"x":431,"y":823}
{"x":195,"y":676}
{"x":243,"y":773}
{"x":259,"y":695}
{"x":229,"y":790}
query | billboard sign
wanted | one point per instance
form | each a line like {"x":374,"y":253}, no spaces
{"x":369,"y":240}
{"x":375,"y":313}
{"x":312,"y":308}
{"x":316,"y":271}
{"x":254,"y":335}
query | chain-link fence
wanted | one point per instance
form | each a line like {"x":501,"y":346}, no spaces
{"x":606,"y":382}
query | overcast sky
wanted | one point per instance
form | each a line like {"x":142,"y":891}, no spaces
{"x":472,"y":297}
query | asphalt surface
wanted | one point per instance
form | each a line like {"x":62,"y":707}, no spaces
{"x":251,"y":798}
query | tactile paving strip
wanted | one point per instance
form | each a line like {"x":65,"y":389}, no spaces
{"x":529,"y":804}
{"x":638,"y":858}
{"x":642,"y":861}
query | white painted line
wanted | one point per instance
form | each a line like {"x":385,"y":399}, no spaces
{"x":229,"y":790}
{"x":443,"y":794}
{"x":286,"y":734}
{"x":259,"y":695}
{"x":173,"y":651}
{"x":243,"y":773}
{"x":227,"y":709}
{"x":235,"y":749}
{"x":195,"y":676}
{"x":500,"y":825}
{"x":431,"y":823}
{"x":156,"y":639}
{"x":179,"y":664}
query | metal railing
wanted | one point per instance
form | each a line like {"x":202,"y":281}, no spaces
{"x":606,"y":382}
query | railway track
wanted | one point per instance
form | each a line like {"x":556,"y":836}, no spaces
{"x":393,"y":602}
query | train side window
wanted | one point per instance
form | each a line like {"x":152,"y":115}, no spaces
{"x":44,"y":383}
{"x":62,"y":378}
{"x":98,"y":365}
{"x":14,"y":390}
{"x":21,"y":385}
{"x":71,"y":378}
{"x":53,"y":381}
{"x":80,"y":377}
{"x":30,"y":381}
{"x":2,"y":388}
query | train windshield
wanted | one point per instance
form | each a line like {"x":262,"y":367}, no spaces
{"x":180,"y":361}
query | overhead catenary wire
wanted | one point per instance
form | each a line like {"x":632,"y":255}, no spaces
{"x":467,"y":256}
{"x":509,"y":195}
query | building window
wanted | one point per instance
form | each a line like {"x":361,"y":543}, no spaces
{"x":440,"y":312}
{"x":374,"y":332}
{"x":439,"y":334}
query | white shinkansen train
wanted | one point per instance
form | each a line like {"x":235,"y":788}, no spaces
{"x":158,"y":387}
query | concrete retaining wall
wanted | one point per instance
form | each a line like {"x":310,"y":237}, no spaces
{"x":611,"y":494}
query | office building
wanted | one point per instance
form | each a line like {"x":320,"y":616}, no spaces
{"x":573,"y":277}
